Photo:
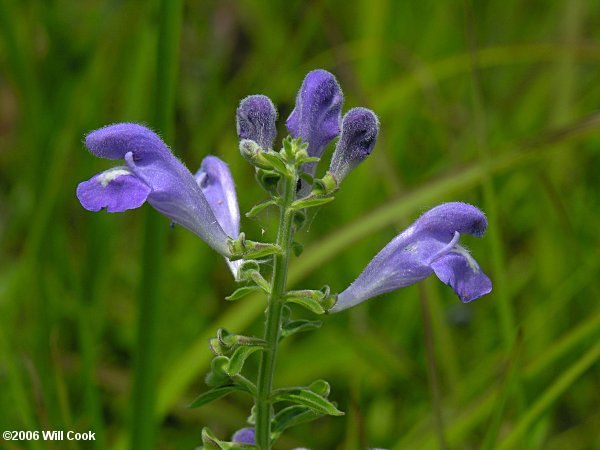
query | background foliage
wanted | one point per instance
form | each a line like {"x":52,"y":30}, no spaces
{"x":493,"y":103}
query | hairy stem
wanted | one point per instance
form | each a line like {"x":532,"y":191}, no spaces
{"x":273,"y":318}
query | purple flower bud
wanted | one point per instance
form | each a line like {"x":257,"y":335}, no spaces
{"x":317,"y":115}
{"x":216,"y":183}
{"x":153,"y":174}
{"x":256,"y":117}
{"x":244,"y":436}
{"x":360,"y":128}
{"x":430,"y":245}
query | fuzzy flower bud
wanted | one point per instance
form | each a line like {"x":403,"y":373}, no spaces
{"x":360,"y":128}
{"x":255,"y":120}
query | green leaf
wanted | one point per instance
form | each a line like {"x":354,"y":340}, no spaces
{"x":308,"y":398}
{"x":307,"y":159}
{"x":292,"y":416}
{"x":299,"y":326}
{"x":307,"y":302}
{"x":242,"y":292}
{"x":257,"y":209}
{"x":215,"y":394}
{"x":310,"y":202}
{"x":276,"y":161}
{"x":237,"y":360}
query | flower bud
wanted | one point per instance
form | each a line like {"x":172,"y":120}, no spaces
{"x":360,"y":128}
{"x":255,"y":120}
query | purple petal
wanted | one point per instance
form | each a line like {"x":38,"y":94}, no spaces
{"x":216,"y":183}
{"x":422,"y":248}
{"x":256,"y":117}
{"x":115,"y":189}
{"x":173,"y":189}
{"x":115,"y":141}
{"x":444,"y":220}
{"x":462,"y":273}
{"x":360,"y":128}
{"x":401,"y":263}
{"x":244,"y":436}
{"x":318,"y":113}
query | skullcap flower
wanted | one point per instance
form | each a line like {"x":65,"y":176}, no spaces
{"x":317,"y":115}
{"x":216,"y":183}
{"x":151,"y":174}
{"x":360,"y":128}
{"x":255,"y":120}
{"x":429,"y":245}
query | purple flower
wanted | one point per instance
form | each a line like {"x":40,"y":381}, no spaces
{"x":216,"y":183}
{"x":255,"y":120}
{"x":317,"y":115}
{"x":360,"y":128}
{"x":244,"y":436}
{"x":247,"y":436}
{"x":151,"y":173}
{"x":430,"y":245}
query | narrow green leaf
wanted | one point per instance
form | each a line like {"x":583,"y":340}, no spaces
{"x":292,"y":416}
{"x":237,"y":360}
{"x":311,"y":202}
{"x":276,"y":161}
{"x":299,"y":326}
{"x":308,"y":398}
{"x":215,"y":394}
{"x":257,"y":209}
{"x":309,"y":303}
{"x":307,"y":159}
{"x":242,"y":292}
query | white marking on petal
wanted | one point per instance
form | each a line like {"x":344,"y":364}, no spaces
{"x":470,"y":260}
{"x":112,"y":174}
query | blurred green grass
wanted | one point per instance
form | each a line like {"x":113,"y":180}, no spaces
{"x":494,"y":103}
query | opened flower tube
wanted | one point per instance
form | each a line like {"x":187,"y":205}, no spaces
{"x":429,"y":245}
{"x":216,"y":183}
{"x":151,"y":174}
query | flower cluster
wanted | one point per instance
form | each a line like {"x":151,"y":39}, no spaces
{"x":206,"y":204}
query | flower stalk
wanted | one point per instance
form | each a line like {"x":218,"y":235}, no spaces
{"x":273,"y":313}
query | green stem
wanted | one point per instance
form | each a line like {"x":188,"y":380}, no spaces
{"x":273,"y":318}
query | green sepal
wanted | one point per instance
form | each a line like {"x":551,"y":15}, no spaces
{"x":243,"y":292}
{"x":250,"y":271}
{"x":238,"y":358}
{"x":309,"y":303}
{"x":327,"y":185}
{"x":290,"y":417}
{"x":299,"y":326}
{"x":297,"y":248}
{"x":210,"y":442}
{"x":320,"y":387}
{"x":215,"y":394}
{"x":268,"y":180}
{"x":316,"y":301}
{"x":306,"y":397}
{"x":231,"y":341}
{"x":241,"y":248}
{"x":257,"y":209}
{"x":311,"y":201}
{"x":299,"y":219}
{"x":218,"y":374}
